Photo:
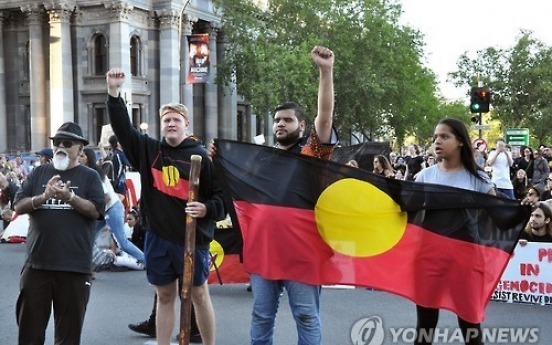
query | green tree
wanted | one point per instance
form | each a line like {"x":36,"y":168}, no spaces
{"x":520,"y":80}
{"x":382,"y":87}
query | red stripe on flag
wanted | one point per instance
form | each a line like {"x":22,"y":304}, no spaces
{"x":179,"y":188}
{"x":231,"y":271}
{"x":430,"y":269}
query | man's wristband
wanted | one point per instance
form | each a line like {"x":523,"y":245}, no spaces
{"x":32,"y":203}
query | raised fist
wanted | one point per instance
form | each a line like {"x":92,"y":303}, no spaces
{"x":115,"y":77}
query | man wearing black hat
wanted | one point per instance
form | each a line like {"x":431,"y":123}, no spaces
{"x":63,"y":200}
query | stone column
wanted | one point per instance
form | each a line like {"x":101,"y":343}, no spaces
{"x":37,"y":79}
{"x":90,"y":123}
{"x":186,"y":90}
{"x":119,"y":45}
{"x":211,"y":89}
{"x":169,"y":76}
{"x":61,"y":64}
{"x":227,"y":100}
{"x":3,"y":109}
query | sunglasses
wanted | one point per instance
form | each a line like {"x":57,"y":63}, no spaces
{"x":66,"y":143}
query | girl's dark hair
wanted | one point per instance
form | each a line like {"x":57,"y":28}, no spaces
{"x":91,"y":161}
{"x":134,"y":212}
{"x":466,"y":151}
{"x":386,"y":165}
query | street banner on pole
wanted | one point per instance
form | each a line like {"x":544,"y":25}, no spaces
{"x":199,"y":59}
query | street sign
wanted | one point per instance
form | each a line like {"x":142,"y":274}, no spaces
{"x":480,"y":144}
{"x":517,"y":136}
{"x":480,"y":127}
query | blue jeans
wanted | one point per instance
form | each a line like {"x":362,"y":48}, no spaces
{"x":115,"y":220}
{"x":508,"y":192}
{"x":304,"y":301}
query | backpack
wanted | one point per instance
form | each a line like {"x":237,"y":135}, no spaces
{"x":117,"y":178}
{"x":108,"y":169}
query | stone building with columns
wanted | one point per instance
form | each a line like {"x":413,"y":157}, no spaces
{"x":54,"y":56}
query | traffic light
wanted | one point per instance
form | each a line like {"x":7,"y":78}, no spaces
{"x":480,"y":100}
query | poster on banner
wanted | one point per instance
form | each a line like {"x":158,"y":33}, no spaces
{"x":528,"y":276}
{"x":107,"y":131}
{"x":199,"y":59}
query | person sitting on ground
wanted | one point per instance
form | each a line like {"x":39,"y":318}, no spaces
{"x":138,"y":233}
{"x":122,"y":261}
{"x":539,"y":228}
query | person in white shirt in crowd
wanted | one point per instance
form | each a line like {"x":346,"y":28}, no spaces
{"x":500,"y":160}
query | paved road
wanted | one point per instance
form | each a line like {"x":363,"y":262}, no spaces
{"x":123,"y":297}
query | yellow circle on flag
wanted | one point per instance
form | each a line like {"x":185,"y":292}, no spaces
{"x":357,"y":219}
{"x":171,"y":176}
{"x":217,"y":254}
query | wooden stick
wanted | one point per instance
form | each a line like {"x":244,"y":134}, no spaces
{"x":189,"y":251}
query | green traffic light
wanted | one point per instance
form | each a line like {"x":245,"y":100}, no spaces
{"x":475,"y":106}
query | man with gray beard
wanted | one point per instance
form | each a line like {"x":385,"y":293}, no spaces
{"x":63,"y":200}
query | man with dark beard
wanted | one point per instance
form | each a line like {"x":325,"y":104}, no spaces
{"x":289,"y":129}
{"x":63,"y":200}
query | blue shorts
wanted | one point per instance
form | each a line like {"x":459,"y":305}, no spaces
{"x":165,"y":261}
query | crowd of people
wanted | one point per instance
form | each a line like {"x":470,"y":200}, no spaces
{"x":90,"y":199}
{"x":12,"y":174}
{"x":512,"y":170}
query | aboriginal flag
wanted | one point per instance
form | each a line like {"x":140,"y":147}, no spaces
{"x":226,"y":257}
{"x":320,"y":222}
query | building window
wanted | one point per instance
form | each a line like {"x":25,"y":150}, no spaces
{"x":135,"y":58}
{"x":100,"y":55}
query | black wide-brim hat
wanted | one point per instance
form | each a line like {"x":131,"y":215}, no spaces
{"x":70,"y":130}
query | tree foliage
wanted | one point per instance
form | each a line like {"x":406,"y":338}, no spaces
{"x":382,"y":88}
{"x":520,"y":80}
